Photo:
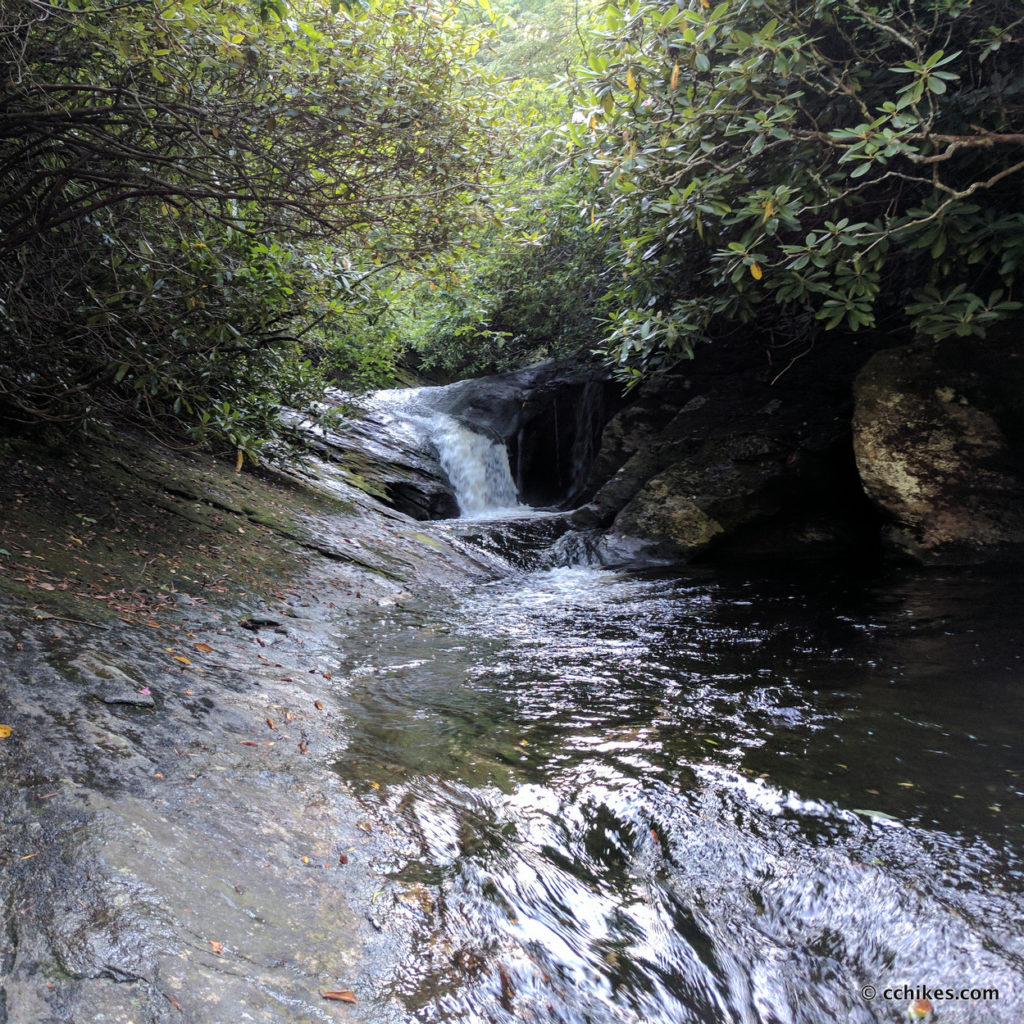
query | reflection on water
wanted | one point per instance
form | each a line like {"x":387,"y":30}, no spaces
{"x":618,"y":798}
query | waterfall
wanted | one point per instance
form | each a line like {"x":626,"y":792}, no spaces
{"x":477,"y":465}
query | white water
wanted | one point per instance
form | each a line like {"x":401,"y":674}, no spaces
{"x":477,"y":466}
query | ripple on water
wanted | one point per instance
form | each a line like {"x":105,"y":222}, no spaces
{"x":702,"y":800}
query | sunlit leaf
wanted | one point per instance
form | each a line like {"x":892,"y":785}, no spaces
{"x":345,"y":995}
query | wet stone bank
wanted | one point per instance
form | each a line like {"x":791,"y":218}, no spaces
{"x":174,"y":847}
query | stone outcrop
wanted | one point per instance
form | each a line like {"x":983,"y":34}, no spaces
{"x":730,"y":460}
{"x":740,"y":456}
{"x":937,"y":430}
{"x":399,"y":471}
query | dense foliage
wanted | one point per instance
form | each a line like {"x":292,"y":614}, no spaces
{"x":196,"y":195}
{"x":208,"y":208}
{"x":804,"y":165}
{"x":526,"y":283}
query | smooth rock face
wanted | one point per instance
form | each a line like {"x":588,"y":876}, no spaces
{"x":721,"y":486}
{"x":934,"y":443}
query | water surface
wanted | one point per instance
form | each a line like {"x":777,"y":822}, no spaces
{"x":710,"y":797}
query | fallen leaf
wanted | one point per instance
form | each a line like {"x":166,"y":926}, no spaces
{"x":206,"y":648}
{"x":174,"y":1002}
{"x":248,"y":743}
{"x":182,"y":659}
{"x":874,"y":815}
{"x":5,"y":731}
{"x":217,"y":947}
{"x":270,"y":722}
{"x":345,"y":995}
{"x":318,"y":704}
{"x":342,"y":858}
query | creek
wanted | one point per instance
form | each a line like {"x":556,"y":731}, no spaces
{"x":761,"y":796}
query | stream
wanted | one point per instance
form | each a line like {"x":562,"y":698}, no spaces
{"x":761,"y":797}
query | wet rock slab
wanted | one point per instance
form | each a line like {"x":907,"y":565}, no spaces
{"x":172,"y":637}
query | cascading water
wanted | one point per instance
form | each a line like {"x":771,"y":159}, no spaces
{"x":477,"y":466}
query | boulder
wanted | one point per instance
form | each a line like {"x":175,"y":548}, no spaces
{"x":937,"y":433}
{"x":732,"y":460}
{"x":720,"y":486}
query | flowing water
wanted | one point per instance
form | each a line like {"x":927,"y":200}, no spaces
{"x":714,"y":796}
{"x":476,"y":465}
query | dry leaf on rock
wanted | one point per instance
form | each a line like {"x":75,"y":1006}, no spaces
{"x":345,"y":995}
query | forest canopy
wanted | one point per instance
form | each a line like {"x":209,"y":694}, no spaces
{"x":804,"y":165}
{"x":212,"y":208}
{"x":197,"y":195}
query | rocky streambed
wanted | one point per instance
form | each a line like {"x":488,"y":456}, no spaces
{"x":277,"y":746}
